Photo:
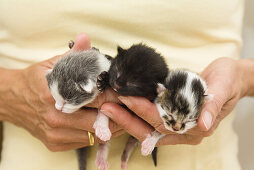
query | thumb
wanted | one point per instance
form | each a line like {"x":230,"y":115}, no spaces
{"x":213,"y":105}
{"x":82,"y":42}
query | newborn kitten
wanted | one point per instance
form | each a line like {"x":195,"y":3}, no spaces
{"x":72,"y":83}
{"x":179,"y":102}
{"x":135,"y":72}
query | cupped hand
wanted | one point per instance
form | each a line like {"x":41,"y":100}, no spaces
{"x":225,"y":82}
{"x":27,"y":102}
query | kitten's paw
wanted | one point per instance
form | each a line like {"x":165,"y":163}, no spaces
{"x":102,"y":132}
{"x":148,"y":145}
{"x":102,"y":81}
{"x":71,"y":44}
{"x":101,"y":163}
{"x":124,"y":165}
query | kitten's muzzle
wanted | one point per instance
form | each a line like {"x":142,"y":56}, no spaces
{"x":178,"y":126}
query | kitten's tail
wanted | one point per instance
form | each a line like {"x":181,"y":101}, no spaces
{"x":154,"y":156}
{"x":82,"y":153}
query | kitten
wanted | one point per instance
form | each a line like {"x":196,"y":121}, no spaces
{"x":72,"y":83}
{"x":135,"y":72}
{"x":179,"y":103}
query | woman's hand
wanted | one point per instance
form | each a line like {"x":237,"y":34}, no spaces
{"x":225,"y":81}
{"x":26,"y":101}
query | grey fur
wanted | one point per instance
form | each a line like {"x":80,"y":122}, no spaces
{"x":73,"y":71}
{"x":182,"y":100}
{"x":71,"y":74}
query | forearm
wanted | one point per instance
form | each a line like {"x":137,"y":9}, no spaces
{"x":247,"y":67}
{"x":9,"y":80}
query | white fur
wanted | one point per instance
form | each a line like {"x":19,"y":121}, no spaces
{"x":104,"y":63}
{"x":187,"y":92}
{"x":102,"y":156}
{"x":149,"y":143}
{"x":89,"y":86}
{"x":58,"y":98}
{"x":160,"y":110}
{"x":101,"y":127}
{"x":62,"y":105}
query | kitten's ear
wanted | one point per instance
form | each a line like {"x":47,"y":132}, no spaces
{"x":160,"y":88}
{"x":88,"y":87}
{"x":120,"y":50}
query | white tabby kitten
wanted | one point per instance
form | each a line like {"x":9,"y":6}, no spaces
{"x":179,"y":103}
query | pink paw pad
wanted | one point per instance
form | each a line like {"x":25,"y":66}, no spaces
{"x":101,"y":163}
{"x":148,"y":145}
{"x":124,"y":165}
{"x":103,"y":133}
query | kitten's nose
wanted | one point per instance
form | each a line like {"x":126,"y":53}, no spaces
{"x":177,"y":126}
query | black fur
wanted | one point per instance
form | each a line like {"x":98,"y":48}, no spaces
{"x":199,"y":92}
{"x":82,"y":155}
{"x":140,"y":69}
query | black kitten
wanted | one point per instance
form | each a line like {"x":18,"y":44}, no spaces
{"x":135,"y":71}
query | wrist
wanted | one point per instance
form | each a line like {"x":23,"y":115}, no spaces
{"x":246,"y":66}
{"x":9,"y":81}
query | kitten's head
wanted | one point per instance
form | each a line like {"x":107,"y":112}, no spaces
{"x":136,"y":71}
{"x":180,"y":100}
{"x":69,"y":83}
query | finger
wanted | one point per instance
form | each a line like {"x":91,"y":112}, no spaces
{"x":180,"y":139}
{"x":82,"y":42}
{"x":143,"y":108}
{"x":213,"y":106}
{"x":64,"y":135}
{"x":108,"y":96}
{"x":82,"y":120}
{"x":65,"y":147}
{"x":129,"y":122}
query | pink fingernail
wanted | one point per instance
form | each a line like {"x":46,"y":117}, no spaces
{"x":207,"y":120}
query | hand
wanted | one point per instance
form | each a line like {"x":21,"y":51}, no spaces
{"x":224,"y":79}
{"x":26,"y":101}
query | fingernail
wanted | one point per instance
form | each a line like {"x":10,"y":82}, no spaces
{"x":207,"y":120}
{"x":107,"y":113}
{"x":125,"y":100}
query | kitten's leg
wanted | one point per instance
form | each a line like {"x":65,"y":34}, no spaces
{"x":100,"y":125}
{"x":102,"y":156}
{"x":149,"y":143}
{"x":129,"y":147}
{"x":82,"y":154}
{"x":102,"y":81}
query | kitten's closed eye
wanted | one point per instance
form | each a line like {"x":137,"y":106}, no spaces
{"x":131,"y":84}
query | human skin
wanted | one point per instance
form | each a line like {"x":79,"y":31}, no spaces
{"x":26,"y":101}
{"x":228,"y":80}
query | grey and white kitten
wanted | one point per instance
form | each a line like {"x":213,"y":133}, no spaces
{"x":179,"y":103}
{"x":72,"y":83}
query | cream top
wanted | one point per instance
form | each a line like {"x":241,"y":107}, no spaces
{"x":189,"y":34}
